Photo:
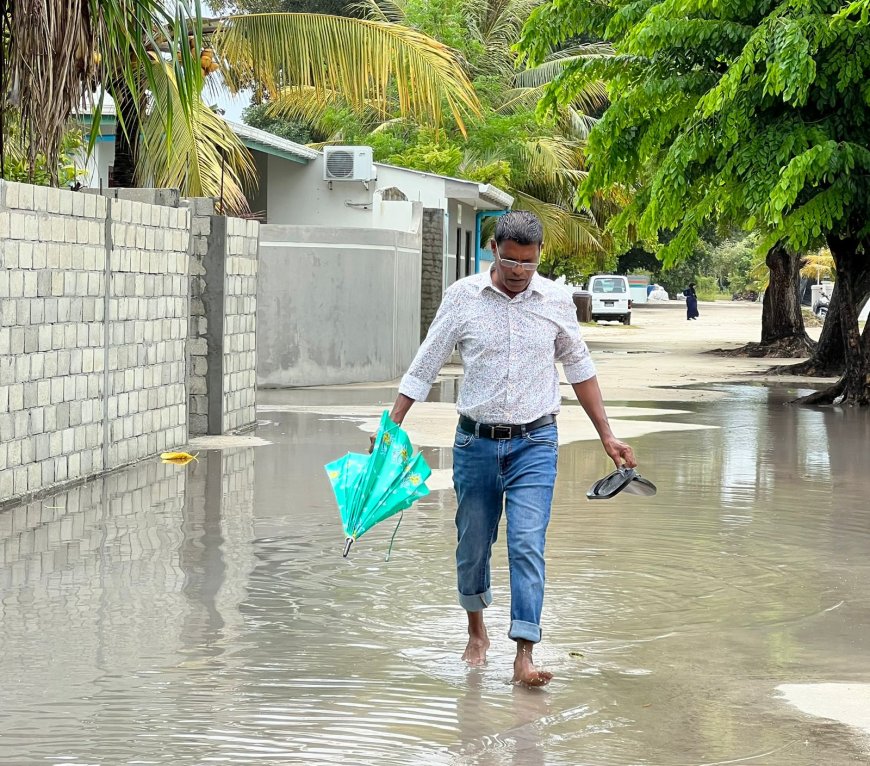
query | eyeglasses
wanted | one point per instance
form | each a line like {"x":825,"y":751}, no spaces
{"x":509,"y":264}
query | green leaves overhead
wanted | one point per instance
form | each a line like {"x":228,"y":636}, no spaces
{"x":365,"y":61}
{"x":728,"y":111}
{"x":204,"y":159}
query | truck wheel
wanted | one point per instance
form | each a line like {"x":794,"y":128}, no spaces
{"x":626,"y":319}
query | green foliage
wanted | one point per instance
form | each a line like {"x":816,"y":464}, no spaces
{"x":724,"y":266}
{"x":707,"y":289}
{"x":746,"y":112}
{"x":257,"y":116}
{"x":433,"y":152}
{"x":332,"y":7}
{"x":17,"y":165}
{"x":445,"y":21}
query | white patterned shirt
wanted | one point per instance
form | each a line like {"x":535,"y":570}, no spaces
{"x":509,"y":349}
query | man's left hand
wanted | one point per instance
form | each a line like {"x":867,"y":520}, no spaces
{"x":619,"y":452}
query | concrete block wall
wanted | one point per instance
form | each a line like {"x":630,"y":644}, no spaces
{"x":201,"y":211}
{"x":222,"y":352}
{"x":240,"y":324}
{"x":93,"y":327}
{"x":432,"y":283}
{"x":52,"y":336}
{"x":105,"y":342}
{"x":148,"y":324}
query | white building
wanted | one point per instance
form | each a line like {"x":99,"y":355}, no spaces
{"x":293,"y":190}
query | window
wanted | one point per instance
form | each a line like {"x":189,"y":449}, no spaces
{"x":608,"y":285}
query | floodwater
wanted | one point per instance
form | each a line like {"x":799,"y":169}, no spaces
{"x":203,"y":614}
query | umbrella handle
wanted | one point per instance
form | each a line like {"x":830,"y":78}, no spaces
{"x":347,"y":543}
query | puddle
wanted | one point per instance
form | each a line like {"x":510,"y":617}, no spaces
{"x":203,"y":614}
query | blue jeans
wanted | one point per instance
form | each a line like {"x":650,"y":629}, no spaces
{"x":516,"y":475}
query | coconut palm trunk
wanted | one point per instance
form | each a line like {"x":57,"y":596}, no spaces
{"x":127,"y":132}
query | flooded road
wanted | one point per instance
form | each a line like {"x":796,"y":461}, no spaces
{"x":203,"y":614}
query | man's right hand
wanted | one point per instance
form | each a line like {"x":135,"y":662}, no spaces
{"x":372,"y":443}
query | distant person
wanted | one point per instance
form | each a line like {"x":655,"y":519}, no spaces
{"x":691,"y":302}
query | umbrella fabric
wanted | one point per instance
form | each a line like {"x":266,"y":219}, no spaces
{"x":371,"y":488}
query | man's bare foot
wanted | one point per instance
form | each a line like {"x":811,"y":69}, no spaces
{"x":525,"y":672}
{"x":478,"y":641}
{"x":475,"y":650}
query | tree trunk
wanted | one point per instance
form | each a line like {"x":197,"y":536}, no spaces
{"x":782,"y":324}
{"x":127,"y":130}
{"x":854,"y":385}
{"x":829,"y":358}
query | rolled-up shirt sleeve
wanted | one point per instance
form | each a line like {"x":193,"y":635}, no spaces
{"x":434,"y":351}
{"x":571,"y":349}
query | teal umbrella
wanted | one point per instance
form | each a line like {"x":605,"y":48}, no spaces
{"x":371,"y":488}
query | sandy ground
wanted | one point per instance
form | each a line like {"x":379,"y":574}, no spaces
{"x":662,"y":350}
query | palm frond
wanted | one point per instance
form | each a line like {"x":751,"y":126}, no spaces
{"x":565,"y":233}
{"x":575,"y":124}
{"x":591,"y":98}
{"x":204,"y":157}
{"x":557,"y":62}
{"x":317,"y":110}
{"x":366,"y":61}
{"x":551,"y":162}
{"x":496,"y":25}
{"x":389,"y":11}
{"x":817,"y":265}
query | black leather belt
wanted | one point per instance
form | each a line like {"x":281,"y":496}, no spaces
{"x":492,"y":431}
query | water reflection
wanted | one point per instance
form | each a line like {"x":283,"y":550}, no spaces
{"x":204,"y":614}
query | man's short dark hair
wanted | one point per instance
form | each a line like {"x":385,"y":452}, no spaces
{"x":519,"y":226}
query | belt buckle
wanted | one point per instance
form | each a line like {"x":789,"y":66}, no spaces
{"x":508,"y":430}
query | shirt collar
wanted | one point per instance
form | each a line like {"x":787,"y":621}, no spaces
{"x":535,"y":286}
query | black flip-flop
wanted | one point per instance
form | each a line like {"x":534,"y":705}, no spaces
{"x":621,"y":480}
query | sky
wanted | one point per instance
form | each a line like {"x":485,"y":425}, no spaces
{"x":233,"y":106}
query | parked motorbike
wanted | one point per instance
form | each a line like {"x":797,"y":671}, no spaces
{"x":820,"y":307}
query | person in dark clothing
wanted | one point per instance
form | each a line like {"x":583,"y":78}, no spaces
{"x":691,"y":302}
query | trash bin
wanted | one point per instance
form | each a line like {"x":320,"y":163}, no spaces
{"x":583,"y":302}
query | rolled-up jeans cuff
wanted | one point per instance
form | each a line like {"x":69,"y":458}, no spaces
{"x":527,"y":631}
{"x":477,"y":602}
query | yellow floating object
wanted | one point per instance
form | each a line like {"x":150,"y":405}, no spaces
{"x":178,"y":458}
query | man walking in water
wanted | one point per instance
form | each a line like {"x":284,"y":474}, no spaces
{"x":511,"y":326}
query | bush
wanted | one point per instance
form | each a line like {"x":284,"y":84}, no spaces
{"x":707,"y":289}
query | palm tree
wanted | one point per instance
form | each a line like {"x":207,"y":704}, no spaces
{"x":57,"y":53}
{"x":154,"y":64}
{"x":540,"y":169}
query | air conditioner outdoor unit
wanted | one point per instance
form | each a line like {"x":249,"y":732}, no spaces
{"x":348,"y":163}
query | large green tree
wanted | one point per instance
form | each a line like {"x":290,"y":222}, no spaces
{"x":744,"y":111}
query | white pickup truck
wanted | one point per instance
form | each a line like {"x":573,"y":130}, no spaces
{"x":611,"y":297}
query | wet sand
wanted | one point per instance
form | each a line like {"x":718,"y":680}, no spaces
{"x":204,"y":614}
